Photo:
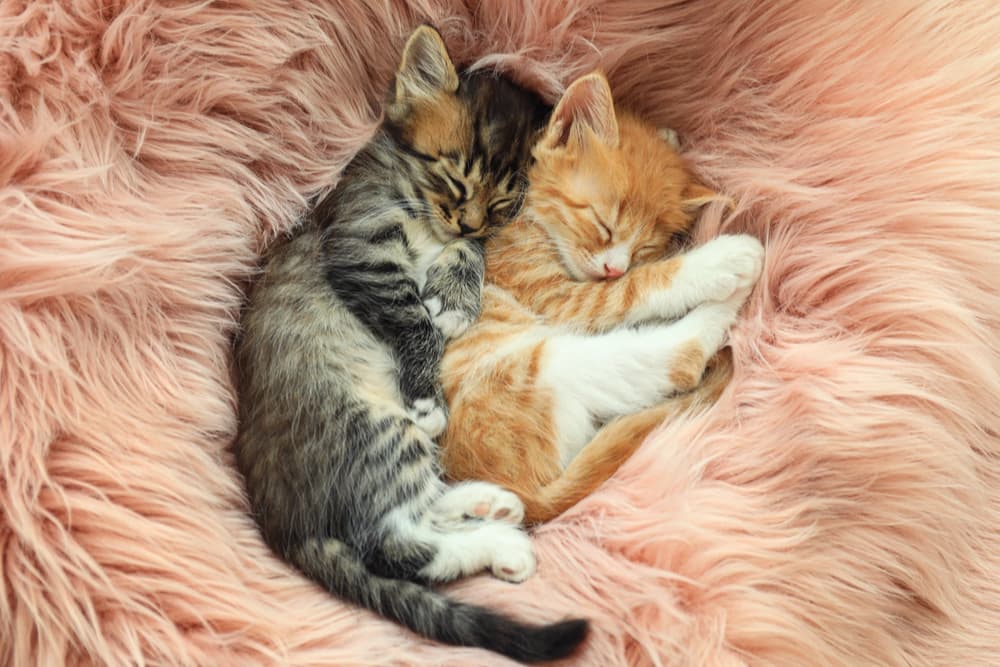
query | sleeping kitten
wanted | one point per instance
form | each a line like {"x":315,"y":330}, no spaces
{"x":573,"y":333}
{"x":339,"y":361}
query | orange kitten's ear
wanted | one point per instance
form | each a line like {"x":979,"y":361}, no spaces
{"x":586,"y":105}
{"x":696,"y":195}
{"x":425,"y":71}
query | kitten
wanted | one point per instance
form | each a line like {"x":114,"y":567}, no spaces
{"x":339,"y":361}
{"x":574,"y":331}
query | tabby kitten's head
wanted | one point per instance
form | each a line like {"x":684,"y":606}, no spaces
{"x":607,"y":188}
{"x":467,"y":140}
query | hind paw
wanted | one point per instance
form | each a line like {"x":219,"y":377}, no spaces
{"x":477,"y":501}
{"x":514,"y":560}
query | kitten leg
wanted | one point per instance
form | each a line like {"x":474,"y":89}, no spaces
{"x":459,"y":551}
{"x":453,"y":291}
{"x":662,"y":290}
{"x":505,"y":550}
{"x":716,"y":271}
{"x":386,"y":299}
{"x":473,"y":501}
{"x":616,"y":441}
{"x":597,"y":378}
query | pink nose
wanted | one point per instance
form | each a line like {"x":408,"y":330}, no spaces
{"x":611,"y":272}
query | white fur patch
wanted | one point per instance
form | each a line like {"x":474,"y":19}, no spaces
{"x":670,"y":136}
{"x":723,"y":267}
{"x":596,"y":378}
{"x":503,"y":549}
{"x":469,"y":502}
{"x":429,"y":416}
{"x":451,"y":323}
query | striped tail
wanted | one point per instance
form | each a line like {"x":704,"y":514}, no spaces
{"x":341,"y":571}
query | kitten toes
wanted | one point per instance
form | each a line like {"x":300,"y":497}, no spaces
{"x":475,"y":501}
{"x":744,"y":262}
{"x":514,"y":558}
{"x":429,"y":416}
{"x":506,"y":507}
{"x":451,"y":323}
{"x":727,"y":265}
{"x":498,"y":505}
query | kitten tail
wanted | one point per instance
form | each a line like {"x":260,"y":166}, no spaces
{"x":338,"y":568}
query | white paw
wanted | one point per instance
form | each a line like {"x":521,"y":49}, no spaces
{"x":429,"y":416}
{"x":712,"y":321}
{"x":451,"y":323}
{"x":514,"y":558}
{"x":476,"y":501}
{"x":726,"y":266}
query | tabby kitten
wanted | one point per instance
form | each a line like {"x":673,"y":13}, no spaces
{"x":574,"y":331}
{"x":339,"y":361}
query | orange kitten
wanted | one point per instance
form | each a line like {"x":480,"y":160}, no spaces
{"x":574,"y":358}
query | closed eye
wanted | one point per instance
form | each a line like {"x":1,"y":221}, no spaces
{"x":458,"y":188}
{"x":499,"y":205}
{"x":648,"y":251}
{"x":606,"y":234}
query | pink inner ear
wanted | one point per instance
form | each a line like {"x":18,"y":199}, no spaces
{"x":559,"y":131}
{"x":586,"y":103}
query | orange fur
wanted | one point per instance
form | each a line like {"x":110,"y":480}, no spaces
{"x":436,"y":121}
{"x":616,"y":442}
{"x":686,"y":368}
{"x":439,"y":126}
{"x":594,"y":184}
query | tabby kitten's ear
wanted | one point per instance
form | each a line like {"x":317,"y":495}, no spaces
{"x":696,"y":195}
{"x":425,"y":71}
{"x":585,"y":109}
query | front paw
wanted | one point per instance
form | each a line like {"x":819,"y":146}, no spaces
{"x":726,"y":266}
{"x":430,"y":415}
{"x":451,"y":323}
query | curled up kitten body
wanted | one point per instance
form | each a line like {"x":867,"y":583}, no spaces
{"x":338,"y":364}
{"x":597,"y":323}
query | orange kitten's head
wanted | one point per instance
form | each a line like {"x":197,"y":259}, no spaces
{"x":607,"y":188}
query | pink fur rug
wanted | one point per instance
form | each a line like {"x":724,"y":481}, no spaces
{"x":839,"y":506}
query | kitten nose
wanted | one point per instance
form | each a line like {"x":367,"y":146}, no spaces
{"x":471,"y":220}
{"x":612,"y":272}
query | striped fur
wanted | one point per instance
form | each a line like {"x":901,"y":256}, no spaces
{"x":339,"y":360}
{"x":569,"y":367}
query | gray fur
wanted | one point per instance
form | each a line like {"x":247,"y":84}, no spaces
{"x":339,"y":391}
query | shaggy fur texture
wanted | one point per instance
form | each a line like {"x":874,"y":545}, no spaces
{"x":838,"y":506}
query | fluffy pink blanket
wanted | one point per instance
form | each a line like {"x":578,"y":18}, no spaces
{"x":839,"y":506}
